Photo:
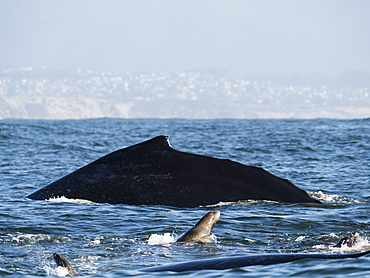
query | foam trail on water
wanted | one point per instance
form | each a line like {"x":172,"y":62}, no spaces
{"x":332,"y":199}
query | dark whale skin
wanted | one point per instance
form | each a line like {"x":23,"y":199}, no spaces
{"x":248,"y":260}
{"x":228,"y":262}
{"x":153,"y":173}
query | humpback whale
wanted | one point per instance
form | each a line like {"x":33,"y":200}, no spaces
{"x":154,"y":173}
{"x":231,"y":262}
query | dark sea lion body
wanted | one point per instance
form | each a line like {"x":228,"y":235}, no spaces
{"x":63,"y":262}
{"x":348,"y":241}
{"x":153,"y":173}
{"x":202,"y":230}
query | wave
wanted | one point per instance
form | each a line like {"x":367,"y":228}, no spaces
{"x":67,"y":200}
{"x":59,"y":271}
{"x":26,"y":239}
{"x":333,"y":199}
{"x":239,"y":203}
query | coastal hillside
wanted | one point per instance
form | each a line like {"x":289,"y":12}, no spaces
{"x":28,"y":93}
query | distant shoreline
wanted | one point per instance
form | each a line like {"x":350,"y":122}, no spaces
{"x":27,"y":93}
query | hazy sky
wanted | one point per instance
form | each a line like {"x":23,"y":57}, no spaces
{"x":242,"y":37}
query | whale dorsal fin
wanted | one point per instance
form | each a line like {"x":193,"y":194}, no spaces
{"x":159,"y":143}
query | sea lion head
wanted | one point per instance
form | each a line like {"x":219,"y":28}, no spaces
{"x":63,"y":262}
{"x":349,"y":241}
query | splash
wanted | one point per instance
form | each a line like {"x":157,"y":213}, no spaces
{"x":166,"y":238}
{"x":300,"y":238}
{"x":67,"y":200}
{"x":239,"y":203}
{"x":59,"y":271}
{"x":333,"y":199}
{"x":361,"y":245}
{"x":250,"y":240}
{"x":37,"y":238}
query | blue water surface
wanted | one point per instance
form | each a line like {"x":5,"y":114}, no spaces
{"x":328,"y":158}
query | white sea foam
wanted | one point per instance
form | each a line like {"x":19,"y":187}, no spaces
{"x":166,"y":238}
{"x":332,"y":199}
{"x":67,"y":200}
{"x":361,"y":245}
{"x":300,"y":238}
{"x":84,"y":264}
{"x":35,"y":238}
{"x":239,"y":203}
{"x":59,"y":271}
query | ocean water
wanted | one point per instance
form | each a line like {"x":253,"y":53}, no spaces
{"x":328,"y":158}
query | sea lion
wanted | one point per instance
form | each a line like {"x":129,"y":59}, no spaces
{"x":334,"y":240}
{"x":201,"y":232}
{"x":63,"y":262}
{"x":348,"y":241}
{"x":153,"y":173}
